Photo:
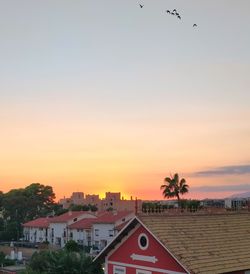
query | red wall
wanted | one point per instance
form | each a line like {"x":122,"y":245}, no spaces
{"x":130,"y":246}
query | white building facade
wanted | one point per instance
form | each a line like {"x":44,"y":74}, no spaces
{"x":104,"y":228}
{"x":36,"y":231}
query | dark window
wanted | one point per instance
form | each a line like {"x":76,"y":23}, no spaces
{"x":143,"y":241}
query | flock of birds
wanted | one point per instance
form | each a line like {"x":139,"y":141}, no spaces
{"x":173,"y":12}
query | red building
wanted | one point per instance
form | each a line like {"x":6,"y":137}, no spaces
{"x":206,"y":244}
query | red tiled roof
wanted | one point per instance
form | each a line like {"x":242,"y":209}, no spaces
{"x":40,"y":222}
{"x":121,"y":226}
{"x":111,"y":217}
{"x":83,"y":224}
{"x":68,"y":216}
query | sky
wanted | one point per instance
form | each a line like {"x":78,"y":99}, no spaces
{"x":100,"y":96}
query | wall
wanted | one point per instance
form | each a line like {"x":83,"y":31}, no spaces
{"x":103,"y":237}
{"x":58,"y":238}
{"x":154,"y":257}
{"x":34,"y":234}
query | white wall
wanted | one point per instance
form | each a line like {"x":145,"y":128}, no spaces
{"x":81,"y":236}
{"x":103,"y":237}
{"x":58,"y":238}
{"x":61,"y":232}
{"x":34,"y":234}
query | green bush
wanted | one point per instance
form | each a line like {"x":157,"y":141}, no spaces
{"x":4,"y":261}
{"x":62,"y":262}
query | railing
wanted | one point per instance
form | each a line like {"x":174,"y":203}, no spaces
{"x":190,"y":211}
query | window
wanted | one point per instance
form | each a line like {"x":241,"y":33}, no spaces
{"x":119,"y":269}
{"x":140,"y":271}
{"x":111,"y":233}
{"x":96,"y":232}
{"x":143,"y":241}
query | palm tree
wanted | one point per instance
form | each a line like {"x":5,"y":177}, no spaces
{"x":174,"y":187}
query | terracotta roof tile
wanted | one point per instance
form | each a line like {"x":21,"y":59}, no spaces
{"x":40,"y":222}
{"x":68,"y":216}
{"x":217,"y":243}
{"x":111,"y":217}
{"x":83,"y":224}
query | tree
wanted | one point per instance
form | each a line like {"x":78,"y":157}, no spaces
{"x":24,"y":204}
{"x":192,"y":205}
{"x":40,"y":198}
{"x":1,"y":199}
{"x":71,"y":246}
{"x":93,"y":208}
{"x":62,"y":262}
{"x":88,"y":207}
{"x":174,"y":187}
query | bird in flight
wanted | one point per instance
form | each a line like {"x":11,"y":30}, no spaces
{"x":194,"y":25}
{"x":168,"y":11}
{"x":174,"y":10}
{"x":178,"y":17}
{"x":141,"y":6}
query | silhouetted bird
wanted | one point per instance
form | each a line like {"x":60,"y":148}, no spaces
{"x":194,"y":25}
{"x":168,"y":11}
{"x":179,"y":17}
{"x":141,"y":6}
{"x":172,"y":13}
{"x":177,"y":13}
{"x":174,"y":10}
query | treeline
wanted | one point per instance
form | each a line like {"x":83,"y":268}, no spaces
{"x":192,"y":205}
{"x":24,"y":204}
{"x":69,"y":260}
{"x":88,"y":207}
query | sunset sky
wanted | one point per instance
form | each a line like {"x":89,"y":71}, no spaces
{"x":100,"y":96}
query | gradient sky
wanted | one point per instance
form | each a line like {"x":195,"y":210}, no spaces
{"x":102,"y":96}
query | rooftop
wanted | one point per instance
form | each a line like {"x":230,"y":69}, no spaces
{"x":204,"y":243}
{"x":83,"y":224}
{"x":68,"y":216}
{"x":212,"y":243}
{"x":112,"y":217}
{"x":40,"y":222}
